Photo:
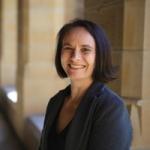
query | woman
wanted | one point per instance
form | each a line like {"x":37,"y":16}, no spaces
{"x":86,"y":115}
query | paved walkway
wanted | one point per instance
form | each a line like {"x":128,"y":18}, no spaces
{"x":7,"y":139}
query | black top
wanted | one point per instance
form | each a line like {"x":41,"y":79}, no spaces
{"x":56,"y":140}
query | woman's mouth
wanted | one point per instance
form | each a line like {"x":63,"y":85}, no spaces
{"x":73,"y":66}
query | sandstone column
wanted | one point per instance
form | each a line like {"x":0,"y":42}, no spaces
{"x":37,"y":80}
{"x":8,"y":42}
{"x":146,"y":79}
{"x":132,"y":64}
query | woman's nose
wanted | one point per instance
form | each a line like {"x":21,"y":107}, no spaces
{"x":76,"y":55}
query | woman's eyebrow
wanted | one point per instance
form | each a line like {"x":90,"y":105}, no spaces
{"x":66,"y":43}
{"x":87,"y":46}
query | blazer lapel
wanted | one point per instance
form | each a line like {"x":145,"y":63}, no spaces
{"x":54,"y":111}
{"x":52,"y":114}
{"x":56,"y":106}
{"x":79,"y":130}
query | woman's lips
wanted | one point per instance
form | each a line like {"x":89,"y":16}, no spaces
{"x":73,"y":66}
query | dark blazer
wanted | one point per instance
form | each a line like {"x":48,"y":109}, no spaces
{"x":101,"y":121}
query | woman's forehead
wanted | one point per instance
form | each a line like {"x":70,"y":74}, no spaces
{"x":80,"y":35}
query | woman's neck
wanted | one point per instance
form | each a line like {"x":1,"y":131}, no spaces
{"x":78,"y":89}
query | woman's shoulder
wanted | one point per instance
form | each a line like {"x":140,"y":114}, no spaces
{"x":109,"y":106}
{"x":107,"y":95}
{"x":107,"y":101}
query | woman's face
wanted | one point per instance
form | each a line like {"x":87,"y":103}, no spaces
{"x":78,"y":54}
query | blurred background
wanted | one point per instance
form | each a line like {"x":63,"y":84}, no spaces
{"x":28,"y":30}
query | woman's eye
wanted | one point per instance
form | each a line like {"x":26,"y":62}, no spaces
{"x":86,"y":50}
{"x":67,"y":48}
